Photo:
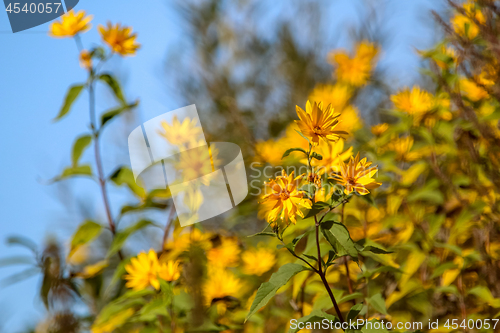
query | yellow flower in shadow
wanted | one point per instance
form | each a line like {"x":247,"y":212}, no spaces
{"x":181,"y":134}
{"x":379,"y":129}
{"x":258,"y":261}
{"x":220,"y":283}
{"x":355,"y":70}
{"x":143,"y":271}
{"x":402,"y":146}
{"x":70,"y":24}
{"x":285,"y":199}
{"x":357,"y":176}
{"x":271,"y":151}
{"x":464,"y":25}
{"x":474,"y":91}
{"x":226,"y":254}
{"x":169,"y":270}
{"x":317,"y":122}
{"x":119,"y":38}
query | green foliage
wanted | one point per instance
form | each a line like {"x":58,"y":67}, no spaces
{"x":71,"y":96}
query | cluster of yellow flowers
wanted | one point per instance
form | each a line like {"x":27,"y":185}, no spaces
{"x":119,"y":39}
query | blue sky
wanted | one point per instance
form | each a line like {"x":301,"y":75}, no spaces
{"x":35,"y":71}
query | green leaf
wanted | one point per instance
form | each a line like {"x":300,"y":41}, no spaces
{"x":268,"y":289}
{"x":316,"y":316}
{"x":124,"y":176}
{"x":375,"y":249}
{"x":71,"y":96}
{"x":107,"y":116}
{"x":78,"y":147}
{"x":122,"y":236}
{"x":350,"y":297}
{"x":298,"y":238}
{"x":378,"y":303}
{"x":338,"y":236}
{"x":86,"y":232}
{"x":443,"y":268}
{"x":292,"y":150}
{"x":302,"y":135}
{"x":316,"y":156}
{"x":112,"y":82}
{"x":81,"y":170}
{"x":264,"y":233}
{"x":355,"y":310}
{"x":316,"y":208}
{"x":22,"y":241}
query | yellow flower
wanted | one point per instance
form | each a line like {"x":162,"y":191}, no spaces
{"x":380,"y":129}
{"x":464,"y":25}
{"x":357,"y":176}
{"x":271,"y":151}
{"x":112,"y":323}
{"x":183,"y":241}
{"x":220,"y":283}
{"x":226,"y":254}
{"x":181,"y":134}
{"x":198,"y":162}
{"x":402,"y":147}
{"x":473,"y":91}
{"x":258,"y":261}
{"x":285,"y":198}
{"x":143,"y":271}
{"x":416,"y":102}
{"x":316,"y":122}
{"x":332,"y":154}
{"x":70,"y":24}
{"x":338,"y":96}
{"x":120,"y":39}
{"x":169,"y":271}
{"x":356,"y":70}
{"x":86,"y":60}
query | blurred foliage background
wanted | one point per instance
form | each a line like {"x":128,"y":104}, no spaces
{"x":436,"y":146}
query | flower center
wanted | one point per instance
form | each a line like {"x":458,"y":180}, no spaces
{"x":284,"y":195}
{"x":317,"y":130}
{"x":351,"y":181}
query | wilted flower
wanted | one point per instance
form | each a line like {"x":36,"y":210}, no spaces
{"x":258,"y":261}
{"x":357,"y":176}
{"x":316,"y":122}
{"x":285,"y":199}
{"x":120,"y":39}
{"x":70,"y":24}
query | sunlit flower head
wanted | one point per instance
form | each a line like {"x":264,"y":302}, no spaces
{"x":70,"y":24}
{"x":285,"y":200}
{"x":169,"y":270}
{"x":357,"y":176}
{"x":332,"y":153}
{"x":355,"y":70}
{"x":464,"y":25}
{"x":143,"y":271}
{"x":317,"y":122}
{"x":415,"y":102}
{"x":85,"y":60}
{"x":119,"y":38}
{"x":379,"y":129}
{"x":181,"y":134}
{"x":220,"y":283}
{"x":226,"y":254}
{"x":258,"y":261}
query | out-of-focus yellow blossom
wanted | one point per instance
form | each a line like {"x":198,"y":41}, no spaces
{"x":169,"y":271}
{"x":402,"y":146}
{"x":379,"y":129}
{"x":221,"y":283}
{"x":92,"y":270}
{"x":415,"y":102}
{"x":357,"y":176}
{"x":86,"y":60}
{"x":338,"y":96}
{"x":317,"y":122}
{"x":271,"y":151}
{"x":472,"y":90}
{"x":285,"y":199}
{"x":143,"y":271}
{"x":112,"y":323}
{"x":196,"y":163}
{"x":355,"y":70}
{"x":70,"y":24}
{"x":184,"y":239}
{"x":119,"y":38}
{"x":226,"y":254}
{"x":332,"y":154}
{"x":258,"y":261}
{"x":464,"y":25}
{"x":181,"y":134}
